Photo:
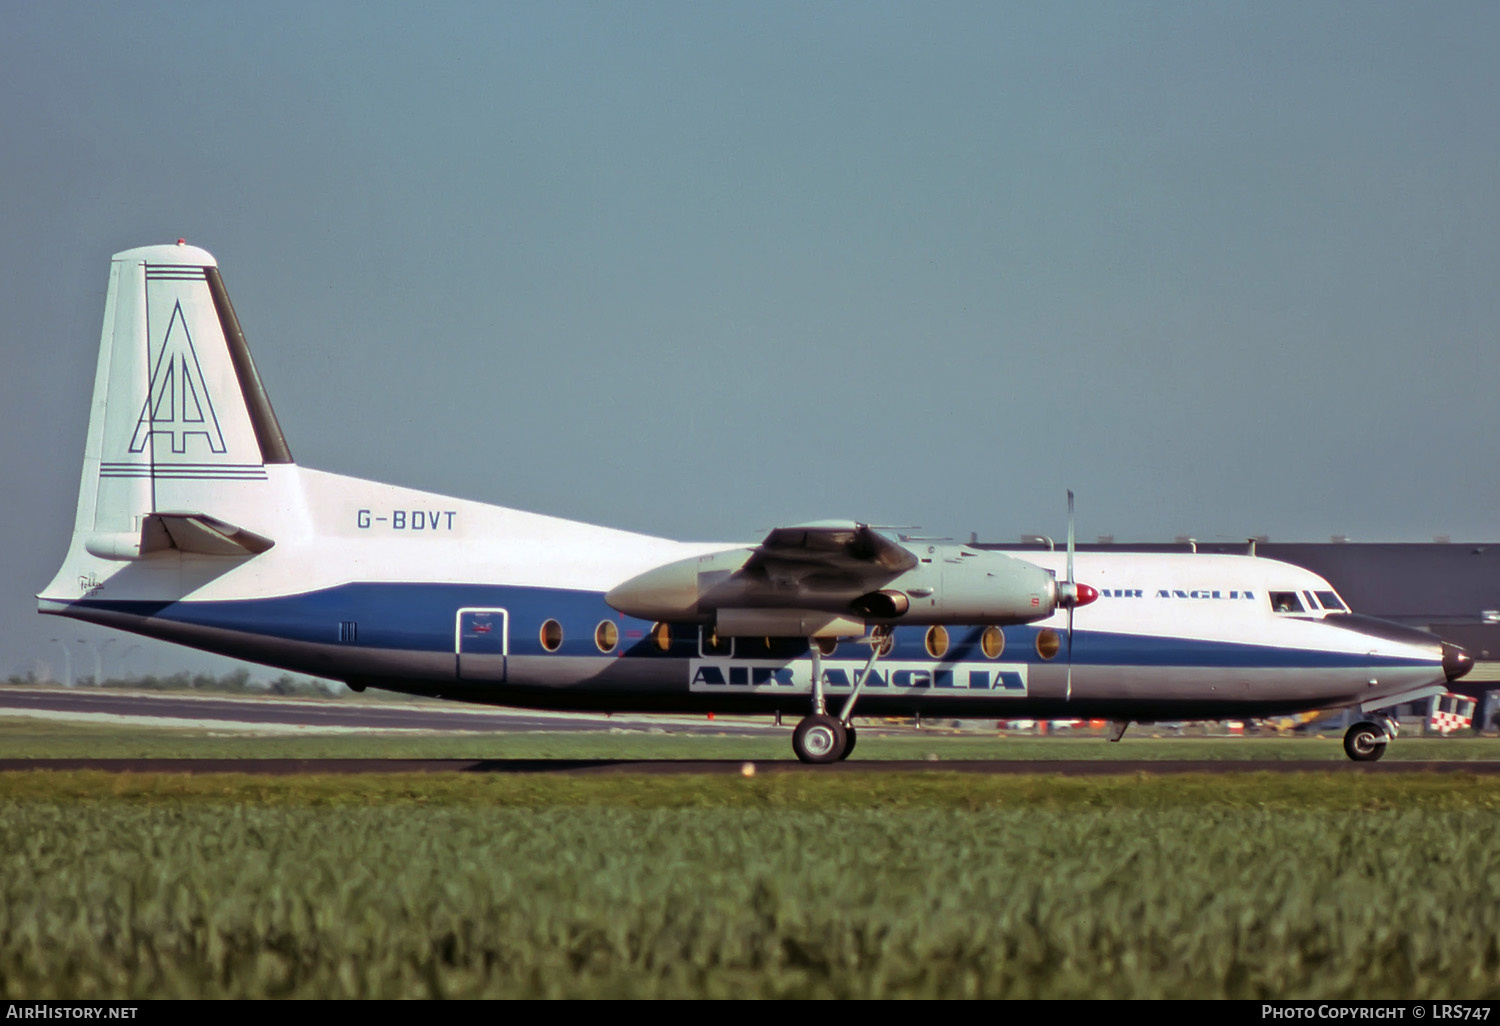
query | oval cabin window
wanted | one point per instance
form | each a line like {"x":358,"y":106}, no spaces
{"x":992,"y":642}
{"x":606,"y":636}
{"x":661,"y":636}
{"x":937,"y":642}
{"x":552,"y":635}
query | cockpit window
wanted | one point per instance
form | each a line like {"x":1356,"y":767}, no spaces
{"x":1286,"y":602}
{"x":1332,"y":601}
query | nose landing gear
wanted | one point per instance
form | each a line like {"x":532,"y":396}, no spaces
{"x":1366,"y":741}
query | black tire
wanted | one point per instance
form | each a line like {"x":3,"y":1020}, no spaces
{"x":850,"y":737}
{"x":819,"y":739}
{"x":1365,"y":742}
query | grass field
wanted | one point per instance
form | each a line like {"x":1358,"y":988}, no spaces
{"x":911,"y":885}
{"x":903,"y":885}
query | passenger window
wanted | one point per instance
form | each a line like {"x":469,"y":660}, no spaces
{"x":661,"y":636}
{"x":1286,"y":602}
{"x":710,"y":644}
{"x":937,"y":642}
{"x":1331,"y":601}
{"x":606,"y":636}
{"x":992,"y":642}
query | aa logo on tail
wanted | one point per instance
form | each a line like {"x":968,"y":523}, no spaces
{"x":178,"y":404}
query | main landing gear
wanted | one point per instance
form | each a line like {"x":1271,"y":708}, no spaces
{"x":821,"y":738}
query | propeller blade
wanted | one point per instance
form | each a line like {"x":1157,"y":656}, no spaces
{"x":1070,"y":536}
{"x":1073,"y":594}
{"x":1069,"y":696}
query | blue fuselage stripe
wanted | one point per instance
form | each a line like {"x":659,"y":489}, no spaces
{"x":421,"y":618}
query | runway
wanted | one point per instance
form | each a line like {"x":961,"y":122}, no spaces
{"x":333,"y":715}
{"x":668,"y":767}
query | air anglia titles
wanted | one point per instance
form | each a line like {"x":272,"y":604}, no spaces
{"x":986,"y":678}
{"x":1175,"y":593}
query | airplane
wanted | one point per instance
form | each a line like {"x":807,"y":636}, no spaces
{"x":195,"y":525}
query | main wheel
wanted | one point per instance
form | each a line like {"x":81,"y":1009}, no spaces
{"x":850,"y":737}
{"x":1365,"y":742}
{"x":819,"y":739}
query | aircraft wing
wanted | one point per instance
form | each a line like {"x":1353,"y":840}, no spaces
{"x":820,"y":566}
{"x":836,"y":548}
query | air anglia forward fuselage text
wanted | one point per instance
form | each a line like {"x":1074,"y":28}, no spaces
{"x":1180,"y":593}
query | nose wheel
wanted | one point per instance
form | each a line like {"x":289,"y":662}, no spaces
{"x":1366,"y":742}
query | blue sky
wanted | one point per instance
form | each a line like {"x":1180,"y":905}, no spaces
{"x":700,"y":269}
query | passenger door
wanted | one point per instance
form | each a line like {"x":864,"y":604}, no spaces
{"x":482,"y":643}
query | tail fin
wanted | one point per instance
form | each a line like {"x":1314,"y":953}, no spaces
{"x":180,"y":422}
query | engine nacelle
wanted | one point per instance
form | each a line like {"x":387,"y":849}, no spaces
{"x":949,"y":584}
{"x":886,"y":604}
{"x":960,"y":586}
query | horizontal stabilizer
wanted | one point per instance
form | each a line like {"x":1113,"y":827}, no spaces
{"x":195,"y":533}
{"x":208,"y":536}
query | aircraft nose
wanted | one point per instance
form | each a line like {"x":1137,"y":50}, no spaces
{"x":1456,"y":662}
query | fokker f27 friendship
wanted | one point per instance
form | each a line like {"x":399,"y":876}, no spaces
{"x":195,"y":525}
